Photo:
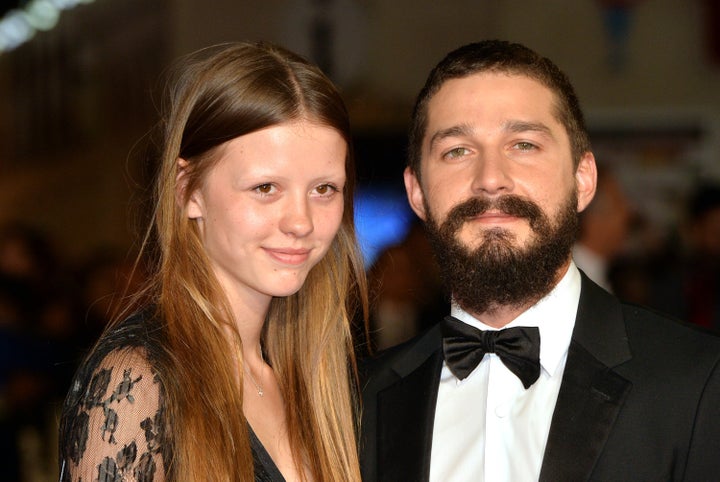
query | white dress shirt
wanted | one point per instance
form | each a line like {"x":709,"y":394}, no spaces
{"x":487,"y":426}
{"x":592,"y":264}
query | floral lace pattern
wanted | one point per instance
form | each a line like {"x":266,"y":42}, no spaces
{"x":117,"y":431}
{"x":113,"y":423}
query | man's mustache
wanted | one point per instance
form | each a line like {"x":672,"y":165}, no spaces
{"x":509,"y":204}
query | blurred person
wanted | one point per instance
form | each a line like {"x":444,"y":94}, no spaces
{"x":28,"y":260}
{"x":604,"y":228}
{"x":13,"y":374}
{"x":538,"y":374}
{"x":689,"y":285}
{"x":238,"y":362}
{"x":405,"y":290}
{"x":29,"y":378}
{"x":44,"y":300}
{"x":27,"y":254}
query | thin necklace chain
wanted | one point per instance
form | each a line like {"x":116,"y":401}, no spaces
{"x":258,"y":387}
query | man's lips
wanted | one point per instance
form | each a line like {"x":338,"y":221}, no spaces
{"x":291,"y":256}
{"x":494,"y":217}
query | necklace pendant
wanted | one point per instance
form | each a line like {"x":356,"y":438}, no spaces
{"x":260,"y":392}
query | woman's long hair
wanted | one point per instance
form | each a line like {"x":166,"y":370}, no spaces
{"x":219,"y":94}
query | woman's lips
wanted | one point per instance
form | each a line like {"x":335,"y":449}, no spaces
{"x":291,"y":256}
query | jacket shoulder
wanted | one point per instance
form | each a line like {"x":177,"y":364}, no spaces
{"x":391,"y":363}
{"x":650,"y":331}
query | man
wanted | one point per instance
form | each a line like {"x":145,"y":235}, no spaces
{"x":499,"y":167}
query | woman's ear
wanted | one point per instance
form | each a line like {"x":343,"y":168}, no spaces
{"x":191,"y":203}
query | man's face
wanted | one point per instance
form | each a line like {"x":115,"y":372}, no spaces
{"x":494,"y":149}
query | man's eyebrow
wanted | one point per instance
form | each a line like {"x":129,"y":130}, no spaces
{"x":524,"y":126}
{"x":454,"y":131}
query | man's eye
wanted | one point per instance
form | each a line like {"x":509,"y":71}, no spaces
{"x":525,"y":146}
{"x":456,"y":152}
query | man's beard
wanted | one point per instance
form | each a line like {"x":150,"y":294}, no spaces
{"x":497,"y":273}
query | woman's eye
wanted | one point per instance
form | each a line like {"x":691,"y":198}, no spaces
{"x":326,"y":189}
{"x":456,"y":152}
{"x":265,"y":188}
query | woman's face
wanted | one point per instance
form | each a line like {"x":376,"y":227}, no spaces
{"x":270,"y":207}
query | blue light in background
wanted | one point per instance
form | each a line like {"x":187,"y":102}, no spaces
{"x":382,"y":218}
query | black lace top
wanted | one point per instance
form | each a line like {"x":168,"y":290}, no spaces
{"x":113,"y":422}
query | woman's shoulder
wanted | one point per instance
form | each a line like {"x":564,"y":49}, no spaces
{"x":133,"y":340}
{"x":129,"y":346}
{"x":141,"y":329}
{"x":114,"y":415}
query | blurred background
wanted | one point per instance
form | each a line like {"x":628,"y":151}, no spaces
{"x":80,"y":82}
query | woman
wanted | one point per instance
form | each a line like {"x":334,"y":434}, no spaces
{"x":240,"y":365}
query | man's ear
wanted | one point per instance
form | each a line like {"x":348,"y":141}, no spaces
{"x":586,"y":180}
{"x":193,"y":207}
{"x":415,"y":194}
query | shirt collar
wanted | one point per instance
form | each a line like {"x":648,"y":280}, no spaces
{"x":554,"y":315}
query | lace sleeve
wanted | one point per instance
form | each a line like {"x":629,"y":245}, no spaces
{"x":116,"y":427}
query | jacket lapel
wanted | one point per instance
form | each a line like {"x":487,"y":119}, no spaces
{"x":406,"y":413}
{"x":591,"y":394}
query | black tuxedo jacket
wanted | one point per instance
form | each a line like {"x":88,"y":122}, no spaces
{"x":639,"y":401}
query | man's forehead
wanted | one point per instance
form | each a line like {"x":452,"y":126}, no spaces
{"x":484,"y":82}
{"x":455,"y":100}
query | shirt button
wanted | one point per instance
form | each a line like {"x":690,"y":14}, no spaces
{"x":502,"y":410}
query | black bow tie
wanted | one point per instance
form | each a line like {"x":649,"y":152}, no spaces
{"x":465,"y":346}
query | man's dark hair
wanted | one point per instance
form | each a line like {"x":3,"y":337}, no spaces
{"x":503,"y":57}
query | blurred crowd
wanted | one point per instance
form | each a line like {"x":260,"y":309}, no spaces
{"x":52,"y":312}
{"x":684,"y":280}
